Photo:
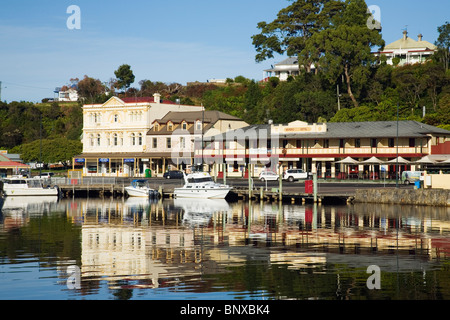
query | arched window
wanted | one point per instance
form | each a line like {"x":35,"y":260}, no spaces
{"x":133,"y":139}
{"x":91,"y":140}
{"x":140,"y":139}
{"x":98,"y":139}
{"x":115,"y":140}
{"x":116,"y":118}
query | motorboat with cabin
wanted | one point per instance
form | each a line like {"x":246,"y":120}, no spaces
{"x":140,"y":188}
{"x":201,"y":185}
{"x":28,"y":187}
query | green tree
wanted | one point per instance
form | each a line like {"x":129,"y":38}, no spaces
{"x":53,"y":150}
{"x":90,"y":89}
{"x":125,"y":77}
{"x":443,"y":43}
{"x":291,"y":31}
{"x":346,"y":46}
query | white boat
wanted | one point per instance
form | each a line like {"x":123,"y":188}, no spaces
{"x":201,"y":185}
{"x":199,"y":212}
{"x":140,"y":188}
{"x":28,"y":187}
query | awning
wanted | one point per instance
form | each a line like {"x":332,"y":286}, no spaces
{"x":373,"y":160}
{"x":399,"y":160}
{"x":348,"y":160}
{"x":425,"y":160}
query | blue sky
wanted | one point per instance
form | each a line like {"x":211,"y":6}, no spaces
{"x":169,"y":41}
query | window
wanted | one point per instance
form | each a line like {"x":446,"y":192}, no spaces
{"x":170,"y":126}
{"x":326,"y":143}
{"x":412,"y":142}
{"x":373,"y":143}
{"x":182,"y":143}
{"x":156,"y":127}
{"x":199,"y":125}
{"x":391,"y":142}
{"x":133,"y":139}
{"x":115,"y":140}
{"x":357,"y":143}
{"x":155,"y":143}
{"x":98,"y":139}
{"x":184,"y":125}
{"x":168,"y":143}
{"x":341,"y":143}
{"x":116,"y":118}
{"x":140,"y":139}
{"x":91,"y":140}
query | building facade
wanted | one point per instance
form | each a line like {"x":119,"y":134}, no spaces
{"x":408,"y":50}
{"x":321,"y":147}
{"x":114,"y":134}
{"x":283,"y":70}
{"x":173,"y":138}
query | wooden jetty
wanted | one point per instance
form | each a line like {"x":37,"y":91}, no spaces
{"x":92,"y":190}
{"x":237,"y":193}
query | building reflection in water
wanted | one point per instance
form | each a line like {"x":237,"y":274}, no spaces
{"x":158,"y":243}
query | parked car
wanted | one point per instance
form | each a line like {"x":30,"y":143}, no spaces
{"x":268,"y":176}
{"x":173,"y":174}
{"x":45,"y":175}
{"x":295,"y":174}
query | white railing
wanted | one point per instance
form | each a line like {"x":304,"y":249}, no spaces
{"x":83,"y":181}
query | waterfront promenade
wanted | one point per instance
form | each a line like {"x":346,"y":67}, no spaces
{"x":327,"y":190}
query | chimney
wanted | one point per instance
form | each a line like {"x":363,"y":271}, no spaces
{"x":157,"y":98}
{"x":420,"y":36}
{"x":405,"y":35}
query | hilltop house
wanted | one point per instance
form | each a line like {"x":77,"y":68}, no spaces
{"x":408,"y":50}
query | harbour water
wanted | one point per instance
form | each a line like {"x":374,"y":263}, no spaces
{"x":136,"y":249}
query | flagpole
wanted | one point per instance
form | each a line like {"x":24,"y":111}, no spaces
{"x":396,"y":170}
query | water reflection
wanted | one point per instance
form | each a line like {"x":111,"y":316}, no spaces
{"x":139,"y":248}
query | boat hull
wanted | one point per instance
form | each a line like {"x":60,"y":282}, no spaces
{"x":219,"y":193}
{"x":31,"y":192}
{"x":140,"y":192}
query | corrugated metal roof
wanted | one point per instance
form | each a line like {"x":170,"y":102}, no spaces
{"x":345,"y":130}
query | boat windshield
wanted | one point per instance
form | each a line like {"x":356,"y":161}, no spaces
{"x":34,"y":183}
{"x":139,"y":183}
{"x":200,"y":180}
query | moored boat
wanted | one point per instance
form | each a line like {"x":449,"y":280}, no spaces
{"x":201,"y":185}
{"x":28,"y":187}
{"x":140,"y":188}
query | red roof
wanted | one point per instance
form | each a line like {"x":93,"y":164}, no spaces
{"x":137,"y":99}
{"x":5,"y":163}
{"x":144,"y":100}
{"x":12,"y":164}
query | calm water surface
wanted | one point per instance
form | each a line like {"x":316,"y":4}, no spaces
{"x":208,"y":249}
